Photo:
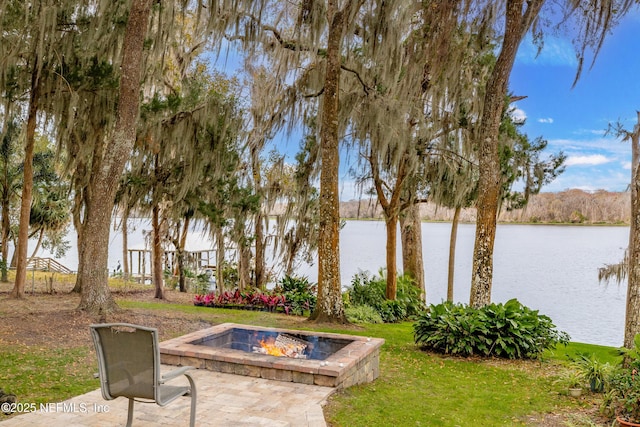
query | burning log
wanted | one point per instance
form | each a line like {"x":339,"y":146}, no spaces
{"x":283,"y":345}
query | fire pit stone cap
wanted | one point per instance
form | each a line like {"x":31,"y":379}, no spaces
{"x":300,"y":365}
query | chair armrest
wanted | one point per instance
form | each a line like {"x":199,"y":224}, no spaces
{"x":175,"y":373}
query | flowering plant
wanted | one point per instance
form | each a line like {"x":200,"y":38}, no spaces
{"x":227,"y":299}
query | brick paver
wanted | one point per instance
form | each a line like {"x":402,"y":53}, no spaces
{"x":223,"y":400}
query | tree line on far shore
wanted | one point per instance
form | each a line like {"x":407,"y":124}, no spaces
{"x":572,"y":206}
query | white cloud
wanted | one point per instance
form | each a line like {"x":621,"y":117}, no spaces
{"x":626,"y":165}
{"x":518,"y":114}
{"x":603,"y":145}
{"x":598,"y":132}
{"x":545,"y":120}
{"x":609,"y":177}
{"x":588,"y":160}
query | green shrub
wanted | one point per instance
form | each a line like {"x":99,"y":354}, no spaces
{"x":299,"y":293}
{"x":393,"y":311}
{"x":201,"y":284}
{"x":365,"y":290}
{"x":622,"y":385}
{"x":623,"y":397}
{"x":230,"y":276}
{"x":408,"y":296}
{"x":593,"y":370}
{"x":362,"y":314}
{"x":508,"y":330}
{"x":632,"y":355}
{"x":371,"y":291}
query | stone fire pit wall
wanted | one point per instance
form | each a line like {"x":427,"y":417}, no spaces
{"x":355,"y":363}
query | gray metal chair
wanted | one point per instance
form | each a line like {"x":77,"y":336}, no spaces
{"x":129,"y":366}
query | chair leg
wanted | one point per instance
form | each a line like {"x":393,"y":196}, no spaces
{"x":192,"y":384}
{"x":130,"y":413}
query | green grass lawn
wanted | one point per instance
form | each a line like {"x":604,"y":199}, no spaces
{"x":41,"y":375}
{"x":414,"y":388}
{"x":421,"y":389}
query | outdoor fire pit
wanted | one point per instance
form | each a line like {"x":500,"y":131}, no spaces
{"x":333,"y":360}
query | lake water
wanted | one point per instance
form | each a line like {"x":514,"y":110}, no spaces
{"x":553,"y":269}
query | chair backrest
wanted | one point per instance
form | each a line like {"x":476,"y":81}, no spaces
{"x":128,"y":360}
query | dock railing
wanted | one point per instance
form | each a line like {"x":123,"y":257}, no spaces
{"x":47,"y":264}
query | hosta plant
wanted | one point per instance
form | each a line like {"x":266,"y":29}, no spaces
{"x":510,"y":330}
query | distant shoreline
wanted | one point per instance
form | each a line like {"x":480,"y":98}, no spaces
{"x":599,"y":224}
{"x":570,"y":207}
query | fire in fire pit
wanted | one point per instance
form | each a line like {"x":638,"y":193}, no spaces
{"x":283,"y":346}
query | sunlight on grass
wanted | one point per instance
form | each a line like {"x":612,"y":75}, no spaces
{"x":604,"y":354}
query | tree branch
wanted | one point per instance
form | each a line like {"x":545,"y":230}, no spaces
{"x":377,"y":182}
{"x":364,"y":86}
{"x":517,"y":98}
{"x":314,"y":95}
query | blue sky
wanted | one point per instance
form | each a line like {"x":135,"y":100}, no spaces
{"x":574,"y":120}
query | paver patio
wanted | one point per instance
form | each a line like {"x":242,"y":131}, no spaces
{"x":223,"y":400}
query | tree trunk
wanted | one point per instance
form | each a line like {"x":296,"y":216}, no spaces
{"x":632,"y":318}
{"x":38,"y":244}
{"x":182,"y":285}
{"x":489,"y":185}
{"x":79,"y":219}
{"x":259,"y":279}
{"x":260,"y":252}
{"x":291,"y":255}
{"x":452,"y":251}
{"x":392,"y":268}
{"x":125,"y":245}
{"x":329,"y":306}
{"x":93,"y":273}
{"x":182,"y":244}
{"x":219,"y":260}
{"x":244,"y":264}
{"x":391,"y":208}
{"x":27,"y":186}
{"x":77,"y":288}
{"x":143,"y":264}
{"x":411,"y":238}
{"x":6,"y":228}
{"x":157,"y":254}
